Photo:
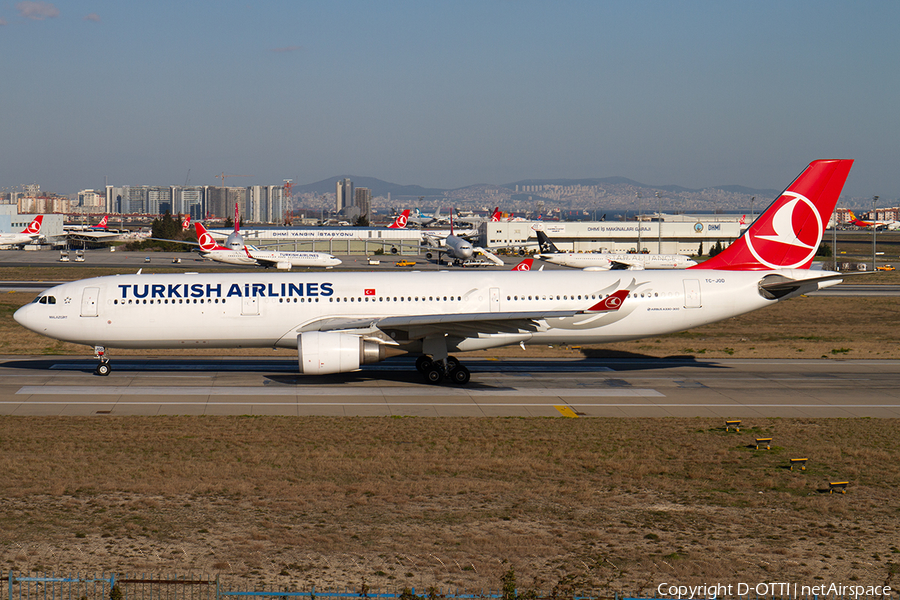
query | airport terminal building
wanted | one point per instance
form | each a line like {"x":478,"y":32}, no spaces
{"x":334,"y":240}
{"x":675,"y":234}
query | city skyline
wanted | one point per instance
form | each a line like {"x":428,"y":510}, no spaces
{"x":445,"y":95}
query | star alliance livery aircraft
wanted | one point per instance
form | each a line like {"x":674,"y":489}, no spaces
{"x":339,"y":321}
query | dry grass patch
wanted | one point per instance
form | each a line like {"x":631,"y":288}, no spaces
{"x":608,"y":504}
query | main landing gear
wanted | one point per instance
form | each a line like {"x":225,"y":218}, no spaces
{"x":435,"y":371}
{"x":103,"y":369}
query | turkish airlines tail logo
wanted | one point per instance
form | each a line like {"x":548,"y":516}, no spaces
{"x":525,"y":265}
{"x":103,"y":221}
{"x":497,"y":215}
{"x":205,"y":239}
{"x":401,"y":220}
{"x":186,"y":223}
{"x":787,"y":234}
{"x":35,"y":226}
{"x":612,"y":302}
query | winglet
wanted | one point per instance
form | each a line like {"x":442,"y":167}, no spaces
{"x":610,"y":303}
{"x":525,"y":265}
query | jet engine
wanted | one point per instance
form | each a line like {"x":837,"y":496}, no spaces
{"x":326,"y":352}
{"x":283,"y":265}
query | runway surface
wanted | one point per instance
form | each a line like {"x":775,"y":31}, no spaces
{"x":731,"y":389}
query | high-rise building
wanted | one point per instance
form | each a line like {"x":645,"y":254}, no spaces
{"x":90,"y":200}
{"x":159,"y":200}
{"x":363,"y":198}
{"x":188,"y":200}
{"x":344,"y":194}
{"x":275,"y":205}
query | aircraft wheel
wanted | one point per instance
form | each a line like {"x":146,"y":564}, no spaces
{"x":423,"y":363}
{"x":103,"y":369}
{"x":433,"y":374}
{"x":460,"y":375}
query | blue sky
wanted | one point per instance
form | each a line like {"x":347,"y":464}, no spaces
{"x":447,"y":94}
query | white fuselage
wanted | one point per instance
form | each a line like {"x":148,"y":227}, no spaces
{"x":267,"y":257}
{"x":269,"y":310}
{"x":17,"y":239}
{"x":604,"y":260}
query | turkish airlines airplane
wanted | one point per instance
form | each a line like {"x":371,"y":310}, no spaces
{"x":250,"y":255}
{"x":603,"y":261}
{"x":339,"y":321}
{"x":401,"y":220}
{"x":31,"y":233}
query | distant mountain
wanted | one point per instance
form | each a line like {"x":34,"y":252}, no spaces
{"x":603,"y":181}
{"x":383,"y":188}
{"x":623,"y":181}
{"x":378,"y":187}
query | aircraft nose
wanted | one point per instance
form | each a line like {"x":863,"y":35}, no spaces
{"x":25,"y":317}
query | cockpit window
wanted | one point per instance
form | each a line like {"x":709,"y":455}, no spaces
{"x":46,"y":300}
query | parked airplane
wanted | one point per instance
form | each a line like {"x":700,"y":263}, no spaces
{"x":28,"y":235}
{"x":423,"y":220}
{"x":401,"y":220}
{"x":250,"y":255}
{"x":101,"y":226}
{"x":606,"y":261}
{"x":889,"y":225}
{"x":339,"y":321}
{"x":457,"y":248}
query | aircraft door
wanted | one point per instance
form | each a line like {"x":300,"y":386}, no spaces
{"x":495,"y":299}
{"x":250,"y":306}
{"x":89,"y":302}
{"x":692,"y":293}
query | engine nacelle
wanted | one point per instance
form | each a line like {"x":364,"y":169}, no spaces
{"x":327,"y":352}
{"x":283,"y":265}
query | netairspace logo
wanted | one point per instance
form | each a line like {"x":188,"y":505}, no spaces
{"x":769,"y":589}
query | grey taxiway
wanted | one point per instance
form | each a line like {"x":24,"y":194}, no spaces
{"x":623,"y":387}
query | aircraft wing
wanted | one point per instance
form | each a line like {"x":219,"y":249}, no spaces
{"x":264,"y":262}
{"x":175,"y":241}
{"x":465,"y":324}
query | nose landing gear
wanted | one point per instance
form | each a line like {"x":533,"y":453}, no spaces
{"x":103,"y":369}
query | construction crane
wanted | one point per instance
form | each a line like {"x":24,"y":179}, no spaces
{"x":223,"y":176}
